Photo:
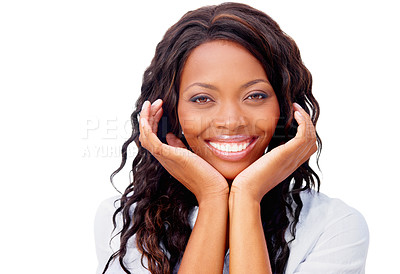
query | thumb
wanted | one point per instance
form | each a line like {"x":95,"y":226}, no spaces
{"x":174,"y":141}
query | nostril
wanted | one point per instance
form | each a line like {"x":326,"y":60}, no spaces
{"x":229,"y":122}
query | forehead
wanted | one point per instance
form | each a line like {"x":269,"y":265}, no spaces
{"x":221,"y":60}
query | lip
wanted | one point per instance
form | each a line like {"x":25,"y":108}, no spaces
{"x":232,"y":156}
{"x":231,"y":138}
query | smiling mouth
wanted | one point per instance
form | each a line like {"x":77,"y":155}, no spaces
{"x":232,"y":148}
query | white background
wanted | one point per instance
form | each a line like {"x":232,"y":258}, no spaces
{"x":70,"y":72}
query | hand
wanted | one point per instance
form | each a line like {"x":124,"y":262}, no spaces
{"x":203,"y":180}
{"x":275,"y":166}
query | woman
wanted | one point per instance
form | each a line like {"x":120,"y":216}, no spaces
{"x":222,"y":181}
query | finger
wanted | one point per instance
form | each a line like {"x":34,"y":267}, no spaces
{"x":144,"y":124}
{"x":155,"y":105}
{"x":291,"y":155}
{"x":152,"y":143}
{"x":148,"y":139}
{"x":157,"y":118}
{"x":310,"y":129}
{"x":143,"y":116}
{"x":154,"y":109}
{"x":144,"y":113}
{"x":297,"y":147}
{"x":174,"y":141}
{"x":302,"y":127}
{"x":305,"y":137}
{"x":300,"y":109}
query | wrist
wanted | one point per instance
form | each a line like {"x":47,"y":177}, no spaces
{"x":243,"y":199}
{"x":214,"y":200}
{"x":246,"y":193}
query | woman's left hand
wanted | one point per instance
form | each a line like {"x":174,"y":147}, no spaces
{"x":275,"y":166}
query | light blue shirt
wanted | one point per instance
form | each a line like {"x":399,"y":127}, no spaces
{"x":331,"y":237}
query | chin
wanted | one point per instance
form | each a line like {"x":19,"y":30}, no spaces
{"x":230,"y":177}
{"x":230,"y":173}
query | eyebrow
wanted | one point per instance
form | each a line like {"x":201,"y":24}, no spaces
{"x":244,"y":86}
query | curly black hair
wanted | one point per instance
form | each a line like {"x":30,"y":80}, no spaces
{"x":160,"y":220}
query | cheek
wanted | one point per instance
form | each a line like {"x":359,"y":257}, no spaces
{"x":192,"y":125}
{"x":267,"y":122}
{"x":266,"y":125}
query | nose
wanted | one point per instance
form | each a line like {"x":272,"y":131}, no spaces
{"x":230,"y":117}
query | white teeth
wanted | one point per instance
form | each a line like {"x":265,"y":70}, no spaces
{"x":230,"y":147}
{"x":234,"y":148}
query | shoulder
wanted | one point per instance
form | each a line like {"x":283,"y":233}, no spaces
{"x":103,"y":230}
{"x":105,"y":213}
{"x":330,"y":235}
{"x":107,"y":207}
{"x":107,"y":240}
{"x":103,"y":224}
{"x":320,"y":209}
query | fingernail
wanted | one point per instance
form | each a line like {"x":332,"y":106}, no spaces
{"x":298,"y":113}
{"x":297,"y":105}
{"x":156,"y":102}
{"x":144,"y":104}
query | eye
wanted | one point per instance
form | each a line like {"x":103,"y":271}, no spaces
{"x":257,"y":96}
{"x":201,"y":99}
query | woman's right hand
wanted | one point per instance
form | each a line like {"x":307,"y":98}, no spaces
{"x":197,"y":175}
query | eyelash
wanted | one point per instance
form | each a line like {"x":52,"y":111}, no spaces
{"x":200,"y":97}
{"x":260,"y":96}
{"x":197,"y":99}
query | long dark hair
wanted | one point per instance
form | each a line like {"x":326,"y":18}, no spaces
{"x":162,"y":205}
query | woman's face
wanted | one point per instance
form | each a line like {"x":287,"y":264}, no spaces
{"x":227,"y":108}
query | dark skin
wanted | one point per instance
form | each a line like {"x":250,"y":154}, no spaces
{"x":227,"y":110}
